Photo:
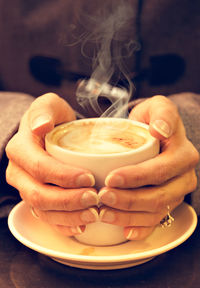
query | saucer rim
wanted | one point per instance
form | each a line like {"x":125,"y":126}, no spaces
{"x":101,"y":259}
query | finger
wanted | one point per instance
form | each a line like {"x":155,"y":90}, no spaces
{"x":27,"y":149}
{"x":175,"y":160}
{"x":137,"y":233}
{"x":69,"y":230}
{"x":135,"y":218}
{"x":49,"y":197}
{"x":46,"y":111}
{"x":65,"y":230}
{"x":149,"y":198}
{"x":71,"y":218}
{"x":124,"y":218}
{"x":160,"y":113}
{"x":40,"y":165}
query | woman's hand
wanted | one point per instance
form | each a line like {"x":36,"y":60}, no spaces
{"x":58,"y":194}
{"x":137,"y":197}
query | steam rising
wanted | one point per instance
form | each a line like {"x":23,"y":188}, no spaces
{"x":111,"y":33}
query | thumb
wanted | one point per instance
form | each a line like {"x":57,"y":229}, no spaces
{"x":159,"y":113}
{"x":47,"y":111}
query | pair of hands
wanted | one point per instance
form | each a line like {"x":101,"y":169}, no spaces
{"x":135,"y":197}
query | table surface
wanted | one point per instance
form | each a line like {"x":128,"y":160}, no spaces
{"x":23,"y":268}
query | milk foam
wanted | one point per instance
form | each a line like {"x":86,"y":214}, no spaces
{"x":101,"y":138}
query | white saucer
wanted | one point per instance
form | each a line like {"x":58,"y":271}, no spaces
{"x":40,"y":237}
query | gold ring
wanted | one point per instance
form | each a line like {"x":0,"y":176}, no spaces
{"x":34,"y":213}
{"x":167,"y":220}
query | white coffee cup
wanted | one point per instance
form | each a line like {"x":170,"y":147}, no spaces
{"x":101,"y":160}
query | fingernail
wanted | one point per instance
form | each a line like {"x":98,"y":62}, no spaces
{"x":40,"y":121}
{"x":34,"y":213}
{"x":77,"y":229}
{"x":162,"y":128}
{"x":90,"y":215}
{"x":89,"y":198}
{"x":107,"y":216}
{"x":107,"y":197}
{"x":85,"y":180}
{"x":114,"y":180}
{"x":131,"y":234}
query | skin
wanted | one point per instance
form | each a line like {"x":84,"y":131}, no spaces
{"x":144,"y":191}
{"x":135,"y":197}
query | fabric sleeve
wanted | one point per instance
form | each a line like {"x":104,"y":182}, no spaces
{"x":12,"y":107}
{"x":189,"y":108}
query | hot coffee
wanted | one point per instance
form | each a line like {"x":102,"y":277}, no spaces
{"x":97,"y":137}
{"x":101,"y":145}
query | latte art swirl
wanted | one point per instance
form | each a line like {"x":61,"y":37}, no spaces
{"x":101,"y":138}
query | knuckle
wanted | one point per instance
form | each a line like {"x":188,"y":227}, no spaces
{"x":49,"y":95}
{"x":159,"y":97}
{"x":194,"y":154}
{"x":179,"y":201}
{"x":66,"y":204}
{"x":167,"y":106}
{"x":164,"y":99}
{"x":191,"y":154}
{"x":46,"y":99}
{"x":8,"y":149}
{"x":37,"y":169}
{"x":191,"y":181}
{"x":11,"y":147}
{"x":63,"y":178}
{"x":161,"y":175}
{"x":159,"y":202}
{"x":130,"y":220}
{"x":194,"y":182}
{"x":36,"y":199}
{"x":153,"y":219}
{"x":60,"y":177}
{"x":9,"y":174}
{"x":51,"y":172}
{"x":129,"y":204}
{"x":138,"y":178}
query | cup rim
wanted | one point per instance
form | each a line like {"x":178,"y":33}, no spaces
{"x":151,"y":142}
